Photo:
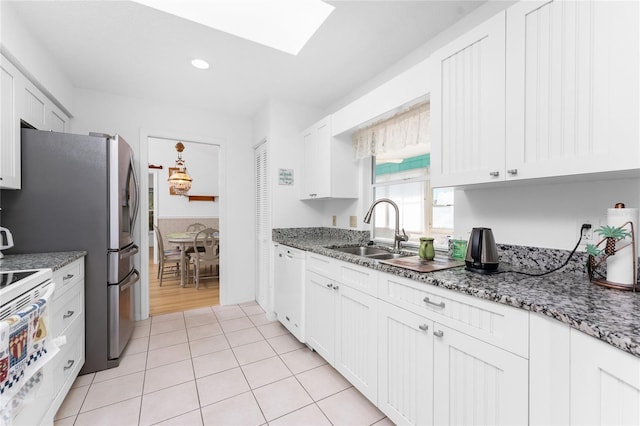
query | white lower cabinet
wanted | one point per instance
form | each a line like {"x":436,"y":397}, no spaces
{"x":605,"y":383}
{"x":430,"y":356}
{"x":320,"y":315}
{"x":68,"y":321}
{"x":341,"y":328}
{"x":477,"y":383}
{"x":405,"y":366}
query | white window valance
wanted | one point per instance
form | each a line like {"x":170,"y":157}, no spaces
{"x":393,"y":134}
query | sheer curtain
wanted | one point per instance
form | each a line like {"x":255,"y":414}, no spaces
{"x":404,"y":129}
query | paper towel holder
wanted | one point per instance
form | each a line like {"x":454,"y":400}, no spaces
{"x":598,"y":256}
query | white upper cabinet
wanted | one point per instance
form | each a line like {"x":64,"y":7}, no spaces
{"x":572,"y":86}
{"x":21,"y":100}
{"x":9,"y":126}
{"x":330,"y":170}
{"x":467,"y":107}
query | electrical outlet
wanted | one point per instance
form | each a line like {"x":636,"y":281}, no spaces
{"x":334,"y":220}
{"x":588,"y":235}
{"x":353,"y":221}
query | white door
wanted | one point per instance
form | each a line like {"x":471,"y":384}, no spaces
{"x":356,"y":352}
{"x":264,"y":293}
{"x":467,"y":107}
{"x":320,"y":315}
{"x":476,"y":383}
{"x":605,"y":383}
{"x":572,"y":87}
{"x":405,"y":360}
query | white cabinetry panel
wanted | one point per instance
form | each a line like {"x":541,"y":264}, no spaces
{"x":356,"y":354}
{"x":405,"y":359}
{"x":477,"y":383}
{"x":320,"y":315}
{"x":571,"y":67}
{"x":467,"y":107}
{"x":9,"y":126}
{"x":605,"y":383}
{"x":34,"y":110}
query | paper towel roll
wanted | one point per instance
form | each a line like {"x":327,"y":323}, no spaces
{"x":620,"y":266}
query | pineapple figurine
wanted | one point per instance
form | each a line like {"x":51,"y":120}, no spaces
{"x":612,"y":234}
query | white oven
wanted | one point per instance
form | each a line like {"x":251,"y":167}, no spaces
{"x":25,"y":379}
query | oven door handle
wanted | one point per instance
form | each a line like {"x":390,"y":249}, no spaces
{"x":134,"y":277}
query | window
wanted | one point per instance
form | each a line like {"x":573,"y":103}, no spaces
{"x":423,"y":211}
{"x":400,"y":148}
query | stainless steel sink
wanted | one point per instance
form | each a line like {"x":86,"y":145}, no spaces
{"x":370,"y":252}
{"x":362,"y":250}
{"x":386,"y":256}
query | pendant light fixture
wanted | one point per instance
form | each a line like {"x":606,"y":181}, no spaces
{"x":180,"y":181}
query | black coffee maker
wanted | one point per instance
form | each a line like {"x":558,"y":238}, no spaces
{"x":482,"y":252}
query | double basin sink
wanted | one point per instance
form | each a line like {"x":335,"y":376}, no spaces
{"x":370,"y":252}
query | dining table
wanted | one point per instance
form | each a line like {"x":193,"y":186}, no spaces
{"x":184,"y":240}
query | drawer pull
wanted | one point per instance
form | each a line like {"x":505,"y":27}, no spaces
{"x":330,"y":285}
{"x":68,"y":314}
{"x":512,"y":172}
{"x":438,"y":333}
{"x":70,"y":363}
{"x":437,"y":305}
{"x":335,"y":287}
{"x":67,"y":277}
{"x":423,"y":327}
{"x":494,"y":174}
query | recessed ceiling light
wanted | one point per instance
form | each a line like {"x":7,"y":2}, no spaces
{"x":285,"y":25}
{"x":200,"y":64}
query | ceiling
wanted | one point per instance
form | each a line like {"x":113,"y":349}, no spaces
{"x":129,"y":49}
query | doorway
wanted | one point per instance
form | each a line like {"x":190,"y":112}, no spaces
{"x":171,"y":214}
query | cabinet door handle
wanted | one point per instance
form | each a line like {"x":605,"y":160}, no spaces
{"x":437,"y":305}
{"x":438,"y":333}
{"x":335,"y":287}
{"x":67,"y":277}
{"x":423,"y":327}
{"x":494,"y":174}
{"x":70,"y":363}
{"x":330,"y":285}
{"x":68,"y":314}
{"x":512,"y":171}
{"x":313,"y":195}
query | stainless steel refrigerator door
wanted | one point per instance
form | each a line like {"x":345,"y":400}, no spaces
{"x":124,"y":198}
{"x":121,"y":314}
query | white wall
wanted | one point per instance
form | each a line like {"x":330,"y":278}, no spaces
{"x":132,"y":117}
{"x":17,"y":44}
{"x":541,"y":215}
{"x":202,"y":163}
{"x":281,"y":123}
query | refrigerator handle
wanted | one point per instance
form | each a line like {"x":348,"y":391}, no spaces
{"x":136,"y":195}
{"x":133,"y":278}
{"x":128,"y":252}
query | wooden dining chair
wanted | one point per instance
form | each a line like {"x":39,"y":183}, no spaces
{"x":195,"y":227}
{"x":167,"y":258}
{"x":209,"y":257}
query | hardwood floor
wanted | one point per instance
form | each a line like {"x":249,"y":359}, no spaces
{"x":172,"y":298}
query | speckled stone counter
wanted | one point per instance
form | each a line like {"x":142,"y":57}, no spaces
{"x":566,"y":295}
{"x":53,"y":260}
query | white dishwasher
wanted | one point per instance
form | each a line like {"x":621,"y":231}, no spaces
{"x":289,"y":289}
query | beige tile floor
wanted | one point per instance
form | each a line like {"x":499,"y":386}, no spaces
{"x":221,"y":365}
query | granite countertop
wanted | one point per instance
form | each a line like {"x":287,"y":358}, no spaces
{"x":53,"y":260}
{"x":610,"y":315}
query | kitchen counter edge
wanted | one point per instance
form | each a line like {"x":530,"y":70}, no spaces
{"x":52,"y":260}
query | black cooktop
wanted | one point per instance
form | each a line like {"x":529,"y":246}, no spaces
{"x":8,"y":278}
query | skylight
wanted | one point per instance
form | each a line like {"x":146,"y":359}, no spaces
{"x":285,"y":25}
